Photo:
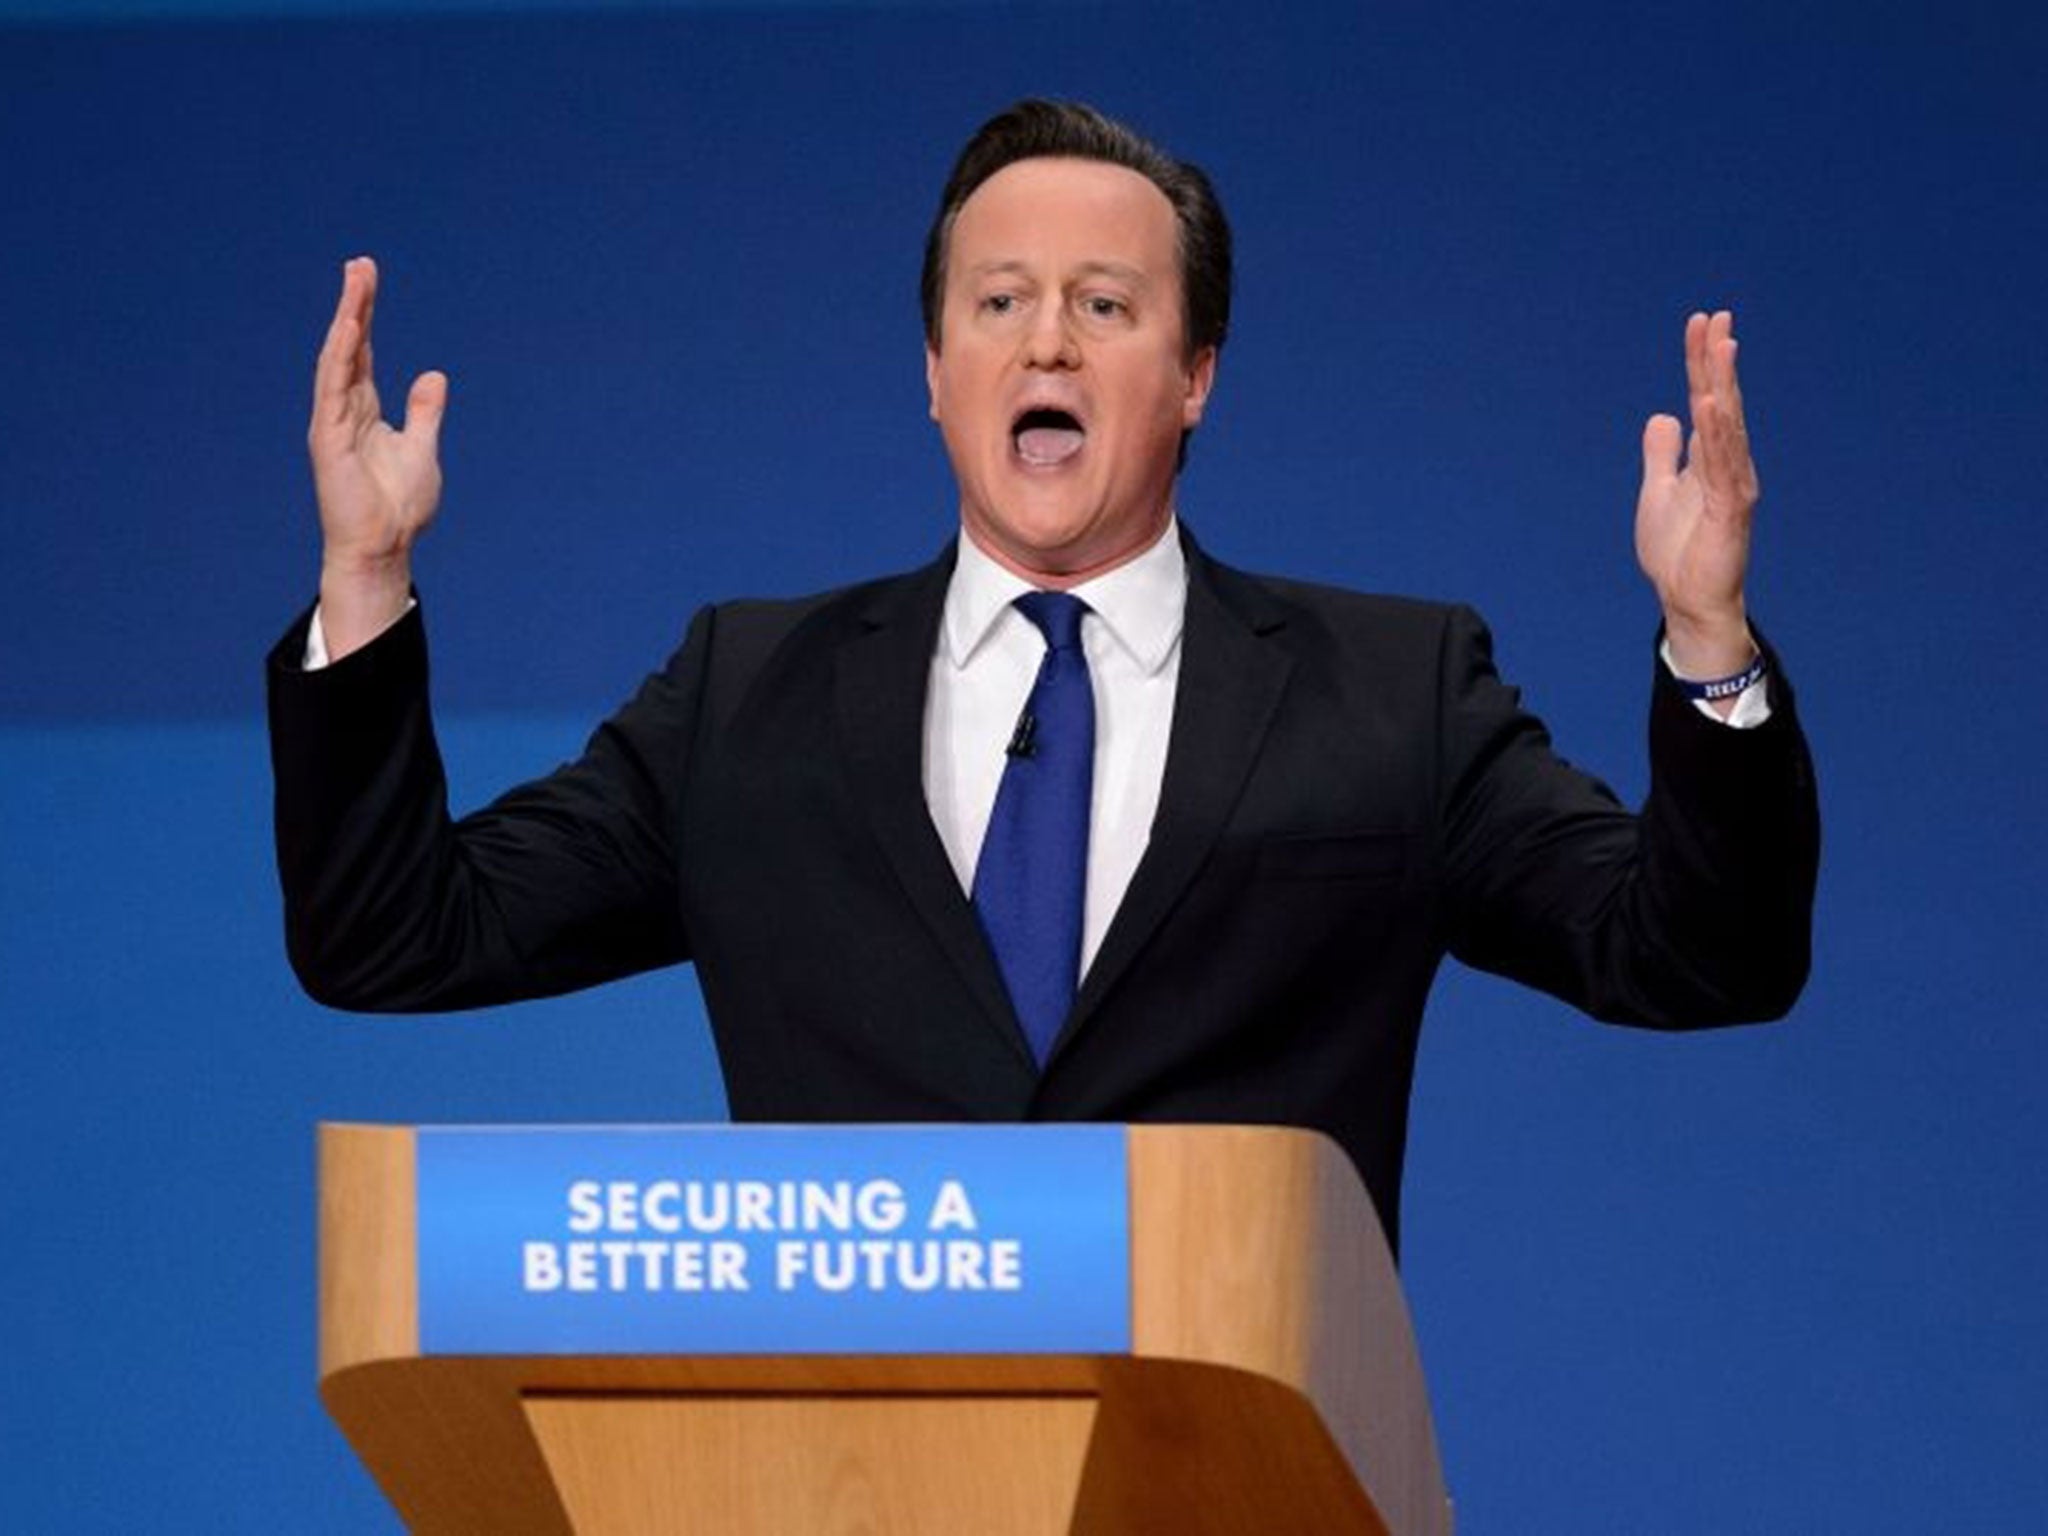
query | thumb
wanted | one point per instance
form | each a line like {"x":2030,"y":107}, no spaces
{"x":425,"y":405}
{"x":1662,"y":437}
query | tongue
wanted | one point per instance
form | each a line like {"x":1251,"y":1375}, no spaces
{"x":1049,"y":445}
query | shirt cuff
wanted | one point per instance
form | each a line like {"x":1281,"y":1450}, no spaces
{"x":316,"y":638}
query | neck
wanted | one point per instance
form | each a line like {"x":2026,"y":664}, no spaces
{"x":1059,"y":570}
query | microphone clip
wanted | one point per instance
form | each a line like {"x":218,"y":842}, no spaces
{"x":1024,"y":740}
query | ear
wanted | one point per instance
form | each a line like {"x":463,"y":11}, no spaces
{"x":931,"y":379}
{"x":1201,"y":379}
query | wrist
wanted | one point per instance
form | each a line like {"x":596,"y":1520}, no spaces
{"x":1707,"y":650}
{"x":360,"y":600}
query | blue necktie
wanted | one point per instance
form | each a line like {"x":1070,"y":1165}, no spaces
{"x":1032,"y":876}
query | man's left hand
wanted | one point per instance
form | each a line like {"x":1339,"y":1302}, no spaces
{"x":1692,"y":522}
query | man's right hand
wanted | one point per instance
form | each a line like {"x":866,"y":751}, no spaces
{"x":377,"y":486}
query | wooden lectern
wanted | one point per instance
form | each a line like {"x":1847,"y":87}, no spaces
{"x":1272,"y":1386}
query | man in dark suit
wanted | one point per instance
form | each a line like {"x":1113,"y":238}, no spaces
{"x":1292,"y":801}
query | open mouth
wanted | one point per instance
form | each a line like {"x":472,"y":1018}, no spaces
{"x":1046,"y":437}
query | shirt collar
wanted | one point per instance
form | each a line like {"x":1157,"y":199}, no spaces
{"x":1141,"y":603}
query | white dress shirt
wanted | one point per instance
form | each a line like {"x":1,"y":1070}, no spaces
{"x":982,"y":671}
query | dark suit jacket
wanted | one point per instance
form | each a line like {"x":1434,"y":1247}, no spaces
{"x":1350,"y":793}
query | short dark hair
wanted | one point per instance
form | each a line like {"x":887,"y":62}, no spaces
{"x":1038,"y":130}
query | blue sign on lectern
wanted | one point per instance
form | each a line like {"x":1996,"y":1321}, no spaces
{"x":773,"y":1239}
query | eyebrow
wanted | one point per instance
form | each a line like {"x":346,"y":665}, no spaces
{"x":1122,"y":271}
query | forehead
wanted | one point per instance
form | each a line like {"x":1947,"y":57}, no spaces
{"x":1062,"y":211}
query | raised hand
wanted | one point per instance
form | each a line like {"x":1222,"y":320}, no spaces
{"x":1692,"y":523}
{"x":377,"y":486}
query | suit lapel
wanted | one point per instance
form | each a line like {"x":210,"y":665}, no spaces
{"x":1231,"y":678}
{"x":883,"y":672}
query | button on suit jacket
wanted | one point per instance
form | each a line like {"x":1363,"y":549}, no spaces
{"x":1350,"y":794}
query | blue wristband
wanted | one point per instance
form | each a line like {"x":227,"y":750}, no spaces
{"x":1726,"y":687}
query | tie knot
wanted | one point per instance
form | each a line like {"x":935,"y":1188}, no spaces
{"x":1057,"y":615}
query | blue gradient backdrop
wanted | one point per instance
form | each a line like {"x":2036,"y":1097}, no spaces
{"x":1773,"y":1280}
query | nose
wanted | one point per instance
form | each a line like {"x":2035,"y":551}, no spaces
{"x":1049,"y":339}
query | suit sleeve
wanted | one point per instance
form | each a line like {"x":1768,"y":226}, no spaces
{"x":391,"y":906}
{"x":1695,"y":911}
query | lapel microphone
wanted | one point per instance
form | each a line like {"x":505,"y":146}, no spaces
{"x":1024,"y":740}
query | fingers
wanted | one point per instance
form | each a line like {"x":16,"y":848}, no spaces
{"x":362,"y":271}
{"x":337,"y":351}
{"x":1696,"y":386}
{"x":1720,"y":450}
{"x":345,"y":353}
{"x":1728,"y":387}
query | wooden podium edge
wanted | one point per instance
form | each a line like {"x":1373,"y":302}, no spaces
{"x":1211,"y":1329}
{"x":369,"y":1245}
{"x":1335,"y":1330}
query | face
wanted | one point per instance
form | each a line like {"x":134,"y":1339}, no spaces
{"x":1061,"y":382}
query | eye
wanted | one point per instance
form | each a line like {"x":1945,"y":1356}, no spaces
{"x":999,"y":303}
{"x":1103,"y":306}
